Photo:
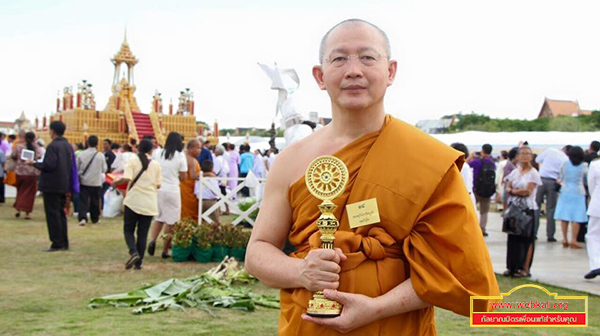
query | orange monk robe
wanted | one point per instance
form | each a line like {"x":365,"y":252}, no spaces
{"x":189,"y":202}
{"x":428,"y":232}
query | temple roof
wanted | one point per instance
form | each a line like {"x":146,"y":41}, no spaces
{"x":22,"y":118}
{"x":561,"y":107}
{"x":125,"y":55}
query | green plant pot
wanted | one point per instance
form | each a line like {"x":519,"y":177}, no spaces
{"x":219,"y":252}
{"x":202,"y":255}
{"x":239,"y":253}
{"x":181,"y":254}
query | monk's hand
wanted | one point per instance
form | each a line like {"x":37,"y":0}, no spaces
{"x":358,"y":311}
{"x":320,"y":269}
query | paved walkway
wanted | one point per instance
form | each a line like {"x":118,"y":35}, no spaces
{"x":552,"y":264}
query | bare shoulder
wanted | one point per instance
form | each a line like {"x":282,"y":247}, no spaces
{"x":293,"y":160}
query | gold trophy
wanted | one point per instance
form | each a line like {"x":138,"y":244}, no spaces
{"x":326,"y":178}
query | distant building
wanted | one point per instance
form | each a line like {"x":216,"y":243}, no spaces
{"x":23,"y":123}
{"x":436,"y":126}
{"x":553,"y":108}
{"x":7,"y":127}
{"x":314,"y":117}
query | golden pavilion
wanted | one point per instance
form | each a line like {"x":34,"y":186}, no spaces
{"x":121,"y":120}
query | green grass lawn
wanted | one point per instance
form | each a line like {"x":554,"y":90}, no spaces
{"x":47,"y":293}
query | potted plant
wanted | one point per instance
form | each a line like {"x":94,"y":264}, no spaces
{"x":219,"y":241}
{"x":202,"y":249}
{"x":184,"y":233}
{"x":240,"y":241}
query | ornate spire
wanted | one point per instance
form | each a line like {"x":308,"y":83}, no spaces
{"x":125,"y":55}
{"x":22,"y":117}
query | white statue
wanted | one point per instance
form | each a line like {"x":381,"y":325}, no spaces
{"x":286,"y":81}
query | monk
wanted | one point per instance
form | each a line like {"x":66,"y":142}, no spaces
{"x":189,"y":202}
{"x":427,"y":249}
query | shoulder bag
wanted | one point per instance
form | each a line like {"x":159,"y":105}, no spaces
{"x":137,"y":177}
{"x":518,"y":219}
{"x":89,"y":164}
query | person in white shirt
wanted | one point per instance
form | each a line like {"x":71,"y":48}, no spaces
{"x":467,"y":173}
{"x":592,"y":237}
{"x":122,"y":158}
{"x":41,"y":147}
{"x":221,"y":165}
{"x":90,"y":166}
{"x":272,"y":155}
{"x":258,"y":168}
{"x":174,"y":169}
{"x":266,"y":161}
{"x":521,"y":188}
{"x":499,"y":172}
{"x":221,"y":169}
{"x":225,"y":145}
{"x":550,"y":161}
{"x":208,"y":196}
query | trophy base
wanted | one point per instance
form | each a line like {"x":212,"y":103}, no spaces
{"x":321,"y":307}
{"x":322,"y":315}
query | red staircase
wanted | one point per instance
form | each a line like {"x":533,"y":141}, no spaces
{"x":143,"y":125}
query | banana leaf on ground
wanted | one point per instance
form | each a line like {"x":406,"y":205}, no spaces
{"x":214,"y":288}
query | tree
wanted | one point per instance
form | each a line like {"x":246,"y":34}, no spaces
{"x":564,"y":124}
{"x":224,"y":131}
{"x":469,"y":122}
{"x":204,"y":125}
{"x":480,"y":122}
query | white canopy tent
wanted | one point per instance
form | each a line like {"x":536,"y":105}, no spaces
{"x":472,"y":139}
{"x":538,"y":141}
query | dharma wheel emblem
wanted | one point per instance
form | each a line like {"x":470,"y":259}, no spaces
{"x":326,"y":177}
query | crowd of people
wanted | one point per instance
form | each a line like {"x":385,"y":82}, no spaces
{"x":158,"y":183}
{"x":162,"y":184}
{"x":564,"y":180}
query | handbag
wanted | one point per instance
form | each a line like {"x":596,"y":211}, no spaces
{"x":10,"y":164}
{"x":11,"y":178}
{"x":75,"y":186}
{"x":518,"y":219}
{"x":557,"y":187}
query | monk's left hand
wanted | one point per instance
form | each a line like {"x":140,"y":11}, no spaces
{"x":358,"y":311}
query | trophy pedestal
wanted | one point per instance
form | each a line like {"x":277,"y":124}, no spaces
{"x":322,"y":307}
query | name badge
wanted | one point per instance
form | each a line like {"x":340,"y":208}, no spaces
{"x":363,"y":213}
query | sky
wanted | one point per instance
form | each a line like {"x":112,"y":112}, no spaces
{"x":499,"y":58}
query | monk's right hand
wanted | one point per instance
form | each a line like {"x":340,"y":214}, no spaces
{"x":320,"y":269}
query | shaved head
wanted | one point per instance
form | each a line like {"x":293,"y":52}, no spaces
{"x":323,"y":46}
{"x":192,"y":143}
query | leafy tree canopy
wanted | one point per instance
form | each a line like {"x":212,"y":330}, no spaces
{"x":480,"y":122}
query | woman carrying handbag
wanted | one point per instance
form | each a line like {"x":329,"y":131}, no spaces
{"x":522,"y":184}
{"x":27,"y":185}
{"x":141,"y":204}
